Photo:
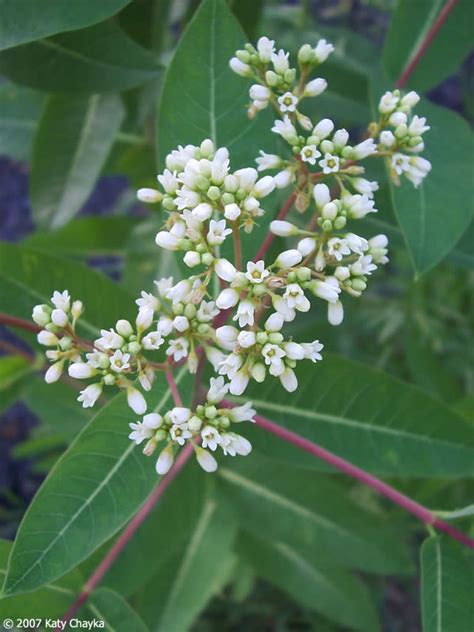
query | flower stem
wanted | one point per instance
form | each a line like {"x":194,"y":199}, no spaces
{"x":129,"y":531}
{"x":421,"y":512}
{"x":425,"y":43}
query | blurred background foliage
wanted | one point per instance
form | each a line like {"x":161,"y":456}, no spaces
{"x":83,"y":120}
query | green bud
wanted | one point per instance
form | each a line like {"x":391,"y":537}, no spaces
{"x":228,"y":198}
{"x":359,"y":285}
{"x":414,"y":141}
{"x":262,"y":337}
{"x":240,"y":194}
{"x":312,"y":140}
{"x":224,"y":422}
{"x":290,"y":363}
{"x":259,"y":290}
{"x":243,"y":55}
{"x":272,"y":78}
{"x":185,"y":244}
{"x":259,"y":372}
{"x":178,"y":309}
{"x":168,"y":203}
{"x":326,"y":147}
{"x":195,"y":424}
{"x":203,"y":328}
{"x":190,"y":310}
{"x":160,"y":434}
{"x":303,"y":274}
{"x":290,"y":75}
{"x":200,"y":409}
{"x":214,"y":193}
{"x":109,"y":379}
{"x":305,"y":54}
{"x":326,"y":225}
{"x":134,"y":347}
{"x":210,"y":412}
{"x":339,"y":222}
{"x":347,"y":151}
{"x":202,"y":183}
{"x":207,"y":259}
{"x":65,"y":343}
{"x":275,"y":337}
{"x":201,"y":248}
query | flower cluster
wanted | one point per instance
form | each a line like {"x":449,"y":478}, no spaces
{"x":207,"y":424}
{"x":404,"y":140}
{"x":233,"y":313}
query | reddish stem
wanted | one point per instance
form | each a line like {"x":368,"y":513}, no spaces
{"x":421,"y":512}
{"x":173,"y":388}
{"x":129,"y":531}
{"x":428,"y":39}
{"x":19,"y":323}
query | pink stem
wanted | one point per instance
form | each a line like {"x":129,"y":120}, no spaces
{"x":128,"y":533}
{"x":437,"y":24}
{"x":421,"y":512}
{"x":173,"y":388}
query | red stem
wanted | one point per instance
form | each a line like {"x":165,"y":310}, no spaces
{"x":437,"y":24}
{"x":421,"y":512}
{"x":173,"y":388}
{"x":20,"y":323}
{"x":128,"y":533}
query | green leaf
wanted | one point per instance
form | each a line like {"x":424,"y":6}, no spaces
{"x":368,"y":417}
{"x":447,"y":580}
{"x":72,"y":142}
{"x":86,"y":237}
{"x":13,"y":371}
{"x":51,"y":601}
{"x":100,"y":58}
{"x":99,"y":483}
{"x":28,"y":277}
{"x":202,"y":98}
{"x":190,"y":573}
{"x":117,"y":615}
{"x":317,"y":518}
{"x":434,"y":216}
{"x":410,"y":25}
{"x":24,"y":23}
{"x":332,"y":592}
{"x":19,"y":112}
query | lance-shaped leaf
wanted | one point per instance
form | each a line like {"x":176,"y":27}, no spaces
{"x":14,"y":371}
{"x":316,"y":517}
{"x":192,"y":568}
{"x":72,"y":142}
{"x":434,"y":216}
{"x":94,"y":488}
{"x":19,"y":112}
{"x":447,"y":581}
{"x":367,"y":417}
{"x":327,"y":590}
{"x":28,"y":277}
{"x":117,"y":614}
{"x":409,"y":27}
{"x":100,"y":58}
{"x":202,"y":98}
{"x":24,"y":23}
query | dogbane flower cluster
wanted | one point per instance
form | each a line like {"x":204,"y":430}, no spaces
{"x":227,"y":310}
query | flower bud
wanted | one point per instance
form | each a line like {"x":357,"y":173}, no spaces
{"x":315,"y":87}
{"x":192,"y":259}
{"x":41,"y":315}
{"x":47,"y":338}
{"x":282,"y":228}
{"x":240,"y":68}
{"x":54,"y":372}
{"x":59,"y":318}
{"x":124,"y":328}
{"x":288,"y":258}
{"x":149,"y":196}
{"x":306,"y":246}
{"x":165,"y":460}
{"x":136,"y":401}
{"x":206,"y":460}
{"x":335,"y":313}
{"x":259,"y":372}
{"x":227,"y":298}
{"x":81,"y":370}
{"x":225,"y":270}
{"x":321,"y":195}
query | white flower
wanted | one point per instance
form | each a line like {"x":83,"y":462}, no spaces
{"x":364,"y":149}
{"x":323,"y":129}
{"x":247,"y":178}
{"x":315,"y":87}
{"x":109,"y":340}
{"x":418,"y":126}
{"x":180,"y":323}
{"x":149,"y":196}
{"x":338,"y":248}
{"x":246,"y":339}
{"x":207,"y":311}
{"x":410,"y":99}
{"x":309,"y":153}
{"x":168,"y":181}
{"x":119,"y":361}
{"x":419,"y":167}
{"x":306,"y":246}
{"x":123,"y":327}
{"x":268,"y":161}
{"x":146,"y":377}
{"x":164,"y":326}
{"x":202,"y":211}
{"x":398,"y":118}
{"x":179,"y":434}
{"x":388,"y":103}
{"x":266,"y":48}
{"x":242,"y":413}
{"x":230,"y":365}
{"x":295,"y":298}
{"x":217,"y":232}
{"x":288,"y":258}
{"x":363,"y":266}
{"x":321,"y":195}
{"x":81,"y":370}
{"x":264,"y":186}
{"x":227,"y":336}
{"x":327,"y":290}
{"x":282,"y":308}
{"x":152,"y":341}
{"x":365,"y":187}
{"x":294,"y":350}
{"x":217,"y":390}
{"x":274,"y":322}
{"x":61,"y":300}
{"x":54,"y":372}
{"x":192,"y":259}
{"x":387,"y":139}
{"x":285,"y":129}
{"x":90,"y":395}
{"x":41,"y":315}
{"x":47,"y":338}
{"x":273,"y":355}
{"x":239,"y":382}
{"x":312,"y":349}
{"x":178,"y":349}
{"x":232,"y":212}
{"x":357,"y":244}
{"x":165,"y":460}
{"x":282,"y":228}
{"x":210,"y":437}
{"x":232,"y":443}
{"x":140,"y":432}
{"x":136,"y":401}
{"x":178,"y":292}
{"x":244,"y":70}
{"x":227,"y":298}
{"x":400,"y":163}
{"x":179,"y":415}
{"x":330,"y":164}
{"x":144,"y":318}
{"x":258,"y":92}
{"x":280,"y":61}
{"x":256,"y":272}
{"x":288,"y":102}
{"x":340,"y":139}
{"x":284,"y":178}
{"x":358,"y":206}
{"x":245,"y":313}
{"x":59,"y":318}
{"x":322,"y":50}
{"x":335,"y":313}
{"x":206,"y":460}
{"x":166,"y":240}
{"x":288,"y":380}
